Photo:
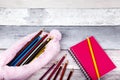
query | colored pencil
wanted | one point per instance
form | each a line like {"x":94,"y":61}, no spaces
{"x":57,"y":66}
{"x":47,"y":71}
{"x":36,"y":51}
{"x":57,"y":73}
{"x":70,"y":74}
{"x":27,"y":44}
{"x":27,"y":49}
{"x":63,"y":71}
{"x":41,"y":51}
{"x":36,"y":45}
{"x":93,"y":58}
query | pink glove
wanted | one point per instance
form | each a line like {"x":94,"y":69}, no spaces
{"x":25,"y":71}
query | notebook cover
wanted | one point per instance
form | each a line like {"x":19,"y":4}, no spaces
{"x":82,"y":53}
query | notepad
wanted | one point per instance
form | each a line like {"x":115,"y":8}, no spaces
{"x":81,"y":52}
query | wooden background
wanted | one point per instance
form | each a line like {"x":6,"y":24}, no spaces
{"x":17,"y":23}
{"x":60,"y":3}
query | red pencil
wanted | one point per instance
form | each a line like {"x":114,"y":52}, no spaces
{"x":47,"y":71}
{"x":28,"y":43}
{"x":70,"y":74}
{"x":57,"y":73}
{"x":63,"y":71}
{"x":58,"y":65}
{"x":19,"y":63}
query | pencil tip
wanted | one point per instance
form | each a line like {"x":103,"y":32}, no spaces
{"x":65,"y":55}
{"x":72,"y":69}
{"x":48,"y":39}
{"x":51,"y":37}
{"x":56,"y":62}
{"x":87,"y":37}
{"x":43,"y":29}
{"x":67,"y":61}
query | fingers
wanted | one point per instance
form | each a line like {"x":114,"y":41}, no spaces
{"x":25,"y":71}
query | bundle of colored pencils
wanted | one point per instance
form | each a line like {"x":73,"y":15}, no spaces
{"x":59,"y":69}
{"x":33,"y":49}
{"x":30,"y":50}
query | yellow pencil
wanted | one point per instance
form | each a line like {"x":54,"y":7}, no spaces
{"x":39,"y":54}
{"x":93,"y":58}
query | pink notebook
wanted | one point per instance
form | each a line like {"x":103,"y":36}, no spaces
{"x":81,"y":52}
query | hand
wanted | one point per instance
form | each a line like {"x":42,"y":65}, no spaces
{"x":25,"y":71}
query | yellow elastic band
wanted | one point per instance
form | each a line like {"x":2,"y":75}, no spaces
{"x":93,"y":58}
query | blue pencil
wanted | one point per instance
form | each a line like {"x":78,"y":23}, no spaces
{"x":24,"y":47}
{"x":27,"y":51}
{"x":24,"y":51}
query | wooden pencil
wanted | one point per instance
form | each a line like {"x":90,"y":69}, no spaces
{"x":27,"y":44}
{"x":19,"y":63}
{"x":35,"y":52}
{"x":93,"y":58}
{"x":39,"y":53}
{"x":45,"y":74}
{"x":70,"y":74}
{"x":57,"y":66}
{"x":57,"y":73}
{"x":64,"y":70}
{"x":25,"y":51}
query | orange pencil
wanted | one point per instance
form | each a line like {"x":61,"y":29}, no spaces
{"x":57,"y":73}
{"x":63,"y":71}
{"x":47,"y":71}
{"x":57,"y":66}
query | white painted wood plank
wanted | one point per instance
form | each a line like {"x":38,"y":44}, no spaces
{"x":77,"y":75}
{"x":113,"y":75}
{"x":113,"y":54}
{"x":60,"y":3}
{"x":108,"y":37}
{"x":111,"y":36}
{"x":65,"y":16}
